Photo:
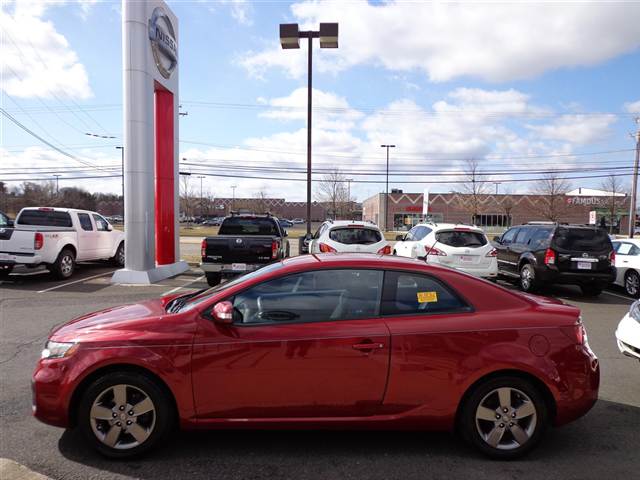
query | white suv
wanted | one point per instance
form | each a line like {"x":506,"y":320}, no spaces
{"x":349,"y":236}
{"x":463,"y":247}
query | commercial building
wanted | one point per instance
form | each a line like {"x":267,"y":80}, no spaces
{"x":496,"y":210}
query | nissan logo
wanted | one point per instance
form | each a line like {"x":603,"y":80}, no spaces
{"x":163,"y":43}
{"x":238,"y":240}
{"x":585,"y":255}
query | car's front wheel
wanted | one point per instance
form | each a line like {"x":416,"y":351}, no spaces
{"x":632,"y":283}
{"x":124,"y":414}
{"x":504,"y":417}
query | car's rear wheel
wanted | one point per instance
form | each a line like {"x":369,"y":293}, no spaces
{"x":504,"y":417}
{"x":632,"y":283}
{"x":213,"y":279}
{"x":64,"y":265}
{"x":125,"y":414}
{"x":591,"y":290}
{"x":528,"y":281}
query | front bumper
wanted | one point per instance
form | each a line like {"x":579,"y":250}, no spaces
{"x":51,"y":392}
{"x":628,"y":337}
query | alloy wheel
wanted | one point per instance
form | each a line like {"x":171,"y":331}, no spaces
{"x":121,"y":256}
{"x":66,"y":265}
{"x":506,"y":418}
{"x":632,"y":284}
{"x":526,"y":278}
{"x":122,"y":417}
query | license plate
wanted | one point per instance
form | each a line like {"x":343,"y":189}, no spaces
{"x":239,"y":267}
{"x":584,"y":265}
{"x":465,"y":259}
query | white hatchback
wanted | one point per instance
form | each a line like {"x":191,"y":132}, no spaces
{"x":349,"y":236}
{"x":463,"y":247}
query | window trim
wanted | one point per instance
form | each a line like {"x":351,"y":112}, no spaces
{"x":467,"y":308}
{"x":378,"y":315}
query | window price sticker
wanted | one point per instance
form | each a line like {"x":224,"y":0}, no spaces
{"x":427,"y":297}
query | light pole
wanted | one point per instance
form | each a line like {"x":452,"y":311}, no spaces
{"x":634,"y":184}
{"x":200,"y":177}
{"x":57,"y":175}
{"x":233,"y":198}
{"x":122,"y":155}
{"x":290,"y":36}
{"x":386,"y":196}
{"x":349,"y":180}
{"x":496,"y":184}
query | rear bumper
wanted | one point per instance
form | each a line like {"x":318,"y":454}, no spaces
{"x":582,"y":382}
{"x":228,"y":269}
{"x":9,"y":258}
{"x":547,"y":275}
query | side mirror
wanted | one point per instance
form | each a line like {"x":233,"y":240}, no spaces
{"x":109,"y":227}
{"x":285,"y":233}
{"x":222,"y":312}
{"x":400,"y":238}
{"x":496,"y":239}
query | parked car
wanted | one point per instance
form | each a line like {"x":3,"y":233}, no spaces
{"x":58,"y":238}
{"x":244,"y":243}
{"x":348,"y":236}
{"x":628,"y":332}
{"x":212,"y":222}
{"x":297,"y":221}
{"x":284,"y":223}
{"x":463,"y":247}
{"x":547,"y":253}
{"x":628,"y":265}
{"x":322,"y":341}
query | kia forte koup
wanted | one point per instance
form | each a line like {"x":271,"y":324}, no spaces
{"x":340,"y":341}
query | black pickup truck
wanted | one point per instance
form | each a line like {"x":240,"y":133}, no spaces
{"x":244,"y":243}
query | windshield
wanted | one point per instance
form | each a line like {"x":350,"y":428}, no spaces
{"x":190,"y":301}
{"x":248,"y":226}
{"x":460,"y":238}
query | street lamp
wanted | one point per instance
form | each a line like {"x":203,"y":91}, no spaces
{"x":122,"y":155}
{"x":200,"y":177}
{"x":386,"y":197}
{"x":290,"y":36}
{"x":57,"y":175}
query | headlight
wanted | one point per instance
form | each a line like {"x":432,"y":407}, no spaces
{"x":58,"y":349}
{"x":634,"y":311}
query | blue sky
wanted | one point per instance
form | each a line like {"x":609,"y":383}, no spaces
{"x":515,"y":86}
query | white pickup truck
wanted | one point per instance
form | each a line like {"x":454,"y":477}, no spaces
{"x":58,"y":238}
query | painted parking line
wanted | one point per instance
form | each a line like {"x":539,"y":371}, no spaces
{"x":619,"y":296}
{"x":76,"y":281}
{"x":173,"y":290}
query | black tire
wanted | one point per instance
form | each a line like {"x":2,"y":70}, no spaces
{"x":527,"y":281}
{"x":118,"y":258}
{"x":5,"y":271}
{"x":65,"y":264}
{"x":534,"y":426}
{"x":591,"y":290}
{"x":160,"y":422}
{"x":632,"y":284}
{"x":213,"y":279}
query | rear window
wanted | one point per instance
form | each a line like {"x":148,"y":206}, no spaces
{"x":45,"y":218}
{"x":248,"y":226}
{"x":582,"y":239}
{"x":460,"y":238}
{"x":355,"y":236}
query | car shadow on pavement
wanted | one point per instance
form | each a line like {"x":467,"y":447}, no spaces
{"x":596,"y":446}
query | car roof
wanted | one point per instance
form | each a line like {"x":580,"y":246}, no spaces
{"x":59,"y":209}
{"x":449,"y":226}
{"x":348,"y":223}
{"x":635,"y":241}
{"x":371,"y":260}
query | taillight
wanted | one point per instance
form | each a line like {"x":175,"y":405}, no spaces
{"x":385,"y":250}
{"x":612,"y":257}
{"x":38,"y":241}
{"x":203,"y":248}
{"x":274,"y":249}
{"x":435,"y":251}
{"x":576,"y":333}
{"x":549,"y":257}
{"x":324,"y":248}
{"x":492,"y":253}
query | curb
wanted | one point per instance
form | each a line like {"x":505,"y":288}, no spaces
{"x":10,"y":470}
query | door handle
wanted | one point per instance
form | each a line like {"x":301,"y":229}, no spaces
{"x":368,"y":346}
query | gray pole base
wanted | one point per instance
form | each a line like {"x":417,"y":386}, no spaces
{"x":146,"y":277}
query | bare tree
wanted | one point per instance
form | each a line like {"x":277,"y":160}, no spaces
{"x":187,"y":196}
{"x":475,"y":186}
{"x":507,"y":203}
{"x":333,"y":191}
{"x":614,"y":187}
{"x":553,"y":189}
{"x":261,"y":204}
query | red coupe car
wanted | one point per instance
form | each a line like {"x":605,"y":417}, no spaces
{"x":323,"y":341}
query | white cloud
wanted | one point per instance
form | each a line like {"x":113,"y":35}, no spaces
{"x":577,"y":129}
{"x":632,"y":107}
{"x":495,"y":41}
{"x":36,"y":59}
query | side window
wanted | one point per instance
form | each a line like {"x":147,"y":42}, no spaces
{"x":101,"y":223}
{"x":421,"y":232}
{"x":411,"y":293}
{"x":616,"y":246}
{"x":320,"y":231}
{"x":635,"y":251}
{"x":624,"y":248}
{"x":318,"y":296}
{"x":509,"y":236}
{"x":85,"y":222}
{"x":412,"y":234}
{"x":540,"y":239}
{"x":523,"y":236}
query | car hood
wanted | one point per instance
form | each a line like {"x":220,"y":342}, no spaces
{"x":125,"y":322}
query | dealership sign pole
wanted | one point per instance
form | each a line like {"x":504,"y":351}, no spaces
{"x":150,"y":91}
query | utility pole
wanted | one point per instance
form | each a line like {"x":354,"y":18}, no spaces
{"x":386,"y":196}
{"x":634,"y":183}
{"x":233,"y":199}
{"x":200,"y":177}
{"x":496,"y":184}
{"x":349,"y":180}
{"x":57,"y":175}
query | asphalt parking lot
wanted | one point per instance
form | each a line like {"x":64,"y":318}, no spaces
{"x":601,"y":445}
